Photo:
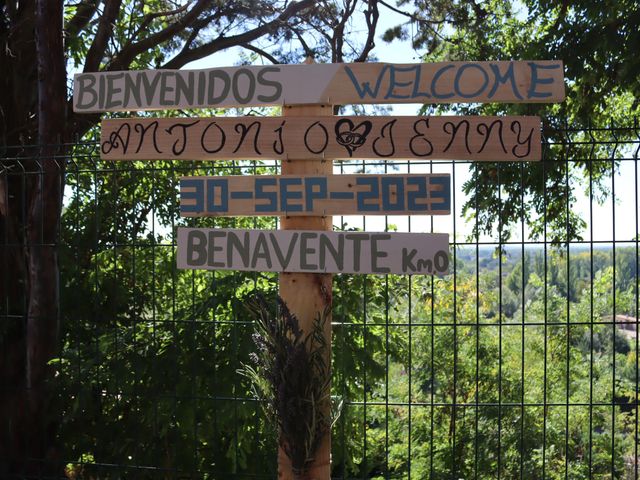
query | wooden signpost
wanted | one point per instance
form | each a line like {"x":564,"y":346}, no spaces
{"x":327,"y":84}
{"x":300,"y":195}
{"x":441,"y":137}
{"x":308,"y":294}
{"x":306,"y":138}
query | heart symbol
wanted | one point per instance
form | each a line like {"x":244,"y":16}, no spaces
{"x":353,"y":136}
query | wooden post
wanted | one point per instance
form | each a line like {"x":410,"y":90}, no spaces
{"x":307,"y":294}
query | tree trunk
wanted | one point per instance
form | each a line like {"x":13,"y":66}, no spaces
{"x":31,"y":187}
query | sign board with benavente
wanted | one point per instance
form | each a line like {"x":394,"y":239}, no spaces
{"x":313,"y":251}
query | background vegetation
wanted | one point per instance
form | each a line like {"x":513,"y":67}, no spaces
{"x":512,"y":367}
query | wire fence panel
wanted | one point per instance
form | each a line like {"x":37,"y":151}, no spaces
{"x":520,"y":364}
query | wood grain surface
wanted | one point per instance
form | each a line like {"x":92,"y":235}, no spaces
{"x":301,"y":195}
{"x":331,"y":84}
{"x":315,"y":137}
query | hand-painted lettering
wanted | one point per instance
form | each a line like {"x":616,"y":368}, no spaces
{"x":536,"y":80}
{"x":323,"y":143}
{"x":392,"y":193}
{"x":271,"y":196}
{"x":243,"y":129}
{"x":206,"y":136}
{"x":221,"y":186}
{"x":485,"y":131}
{"x":142,"y":130}
{"x":306,"y":251}
{"x":315,"y":188}
{"x":313,"y":195}
{"x":443,"y":82}
{"x":386,"y":133}
{"x":500,"y":79}
{"x":377,"y":253}
{"x":251,"y":87}
{"x":372,"y":194}
{"x":166,"y":88}
{"x":283,"y":259}
{"x":277,"y":86}
{"x":458,"y":138}
{"x":187,"y":195}
{"x":394,"y":83}
{"x":196,"y":248}
{"x":313,"y":251}
{"x":241,"y":247}
{"x":526,"y":142}
{"x":261,"y":251}
{"x":444,"y":193}
{"x":213,"y":248}
{"x":181,"y":142}
{"x":419,"y":145}
{"x":364,"y":90}
{"x":287,"y":195}
{"x":420,"y":193}
{"x":452,"y":129}
{"x":112,"y":91}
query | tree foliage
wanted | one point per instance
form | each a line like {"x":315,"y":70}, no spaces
{"x":595,"y":40}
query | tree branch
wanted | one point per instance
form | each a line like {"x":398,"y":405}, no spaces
{"x":222,"y":43}
{"x":103,"y":35}
{"x":480,"y":12}
{"x":146,"y":21}
{"x":196,"y":28}
{"x":371,"y":16}
{"x":561,"y":16}
{"x":337,"y":40}
{"x":261,"y":52}
{"x":411,"y":16}
{"x":84,"y":13}
{"x":130,"y":52}
{"x":308,"y":51}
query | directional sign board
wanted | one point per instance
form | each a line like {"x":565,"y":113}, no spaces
{"x":441,"y":137}
{"x":313,"y":251}
{"x":289,"y":195}
{"x":332,"y":84}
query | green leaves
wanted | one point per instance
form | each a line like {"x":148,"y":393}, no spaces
{"x":597,"y":43}
{"x":293,"y":378}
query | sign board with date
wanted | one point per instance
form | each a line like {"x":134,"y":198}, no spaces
{"x":289,"y":195}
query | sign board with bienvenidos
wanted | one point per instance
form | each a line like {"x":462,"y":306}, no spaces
{"x":435,"y":137}
{"x":331,"y":84}
{"x":302,"y":195}
{"x":313,"y":251}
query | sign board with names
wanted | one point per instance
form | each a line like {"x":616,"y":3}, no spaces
{"x":313,"y":251}
{"x":293,"y":195}
{"x":332,"y":84}
{"x":436,"y":137}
